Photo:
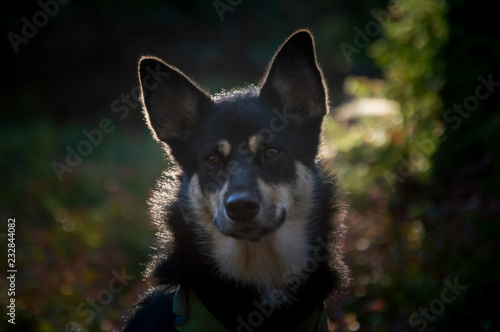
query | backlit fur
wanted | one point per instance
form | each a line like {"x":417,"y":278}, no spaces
{"x":248,"y":214}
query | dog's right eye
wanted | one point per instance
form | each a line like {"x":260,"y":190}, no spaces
{"x":213,"y":160}
{"x":271,"y":153}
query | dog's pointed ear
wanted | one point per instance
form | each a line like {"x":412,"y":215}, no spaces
{"x":294,"y":83}
{"x":171,"y":100}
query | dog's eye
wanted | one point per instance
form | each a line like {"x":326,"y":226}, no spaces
{"x":213,"y":160}
{"x":271,"y":153}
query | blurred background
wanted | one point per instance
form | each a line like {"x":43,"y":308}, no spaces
{"x":413,"y":130}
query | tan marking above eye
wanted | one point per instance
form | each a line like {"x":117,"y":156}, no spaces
{"x":224,"y":147}
{"x":253,"y":143}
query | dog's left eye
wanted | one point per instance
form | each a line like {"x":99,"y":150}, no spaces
{"x":213,"y":160}
{"x":271,"y":153}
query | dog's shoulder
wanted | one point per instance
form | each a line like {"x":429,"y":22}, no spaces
{"x":153,"y":312}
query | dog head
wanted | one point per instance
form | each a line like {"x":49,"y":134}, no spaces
{"x":248,"y":156}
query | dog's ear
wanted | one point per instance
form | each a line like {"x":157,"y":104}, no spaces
{"x":294,"y":83}
{"x":171,"y":100}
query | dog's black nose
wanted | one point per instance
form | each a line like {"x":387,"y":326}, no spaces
{"x":242,"y":206}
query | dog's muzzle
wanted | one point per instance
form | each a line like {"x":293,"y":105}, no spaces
{"x":242,"y":215}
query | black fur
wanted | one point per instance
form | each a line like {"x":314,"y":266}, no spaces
{"x":181,"y":257}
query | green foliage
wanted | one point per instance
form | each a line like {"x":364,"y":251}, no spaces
{"x":71,"y":235}
{"x":390,"y":134}
{"x":431,"y":221}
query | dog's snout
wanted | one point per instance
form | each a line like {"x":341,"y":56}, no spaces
{"x":242,"y":206}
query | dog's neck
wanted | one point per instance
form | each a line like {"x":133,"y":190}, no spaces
{"x":191,"y":314}
{"x":231,"y":302}
{"x":268,"y":265}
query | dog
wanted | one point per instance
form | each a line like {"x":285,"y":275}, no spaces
{"x":250,"y":220}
